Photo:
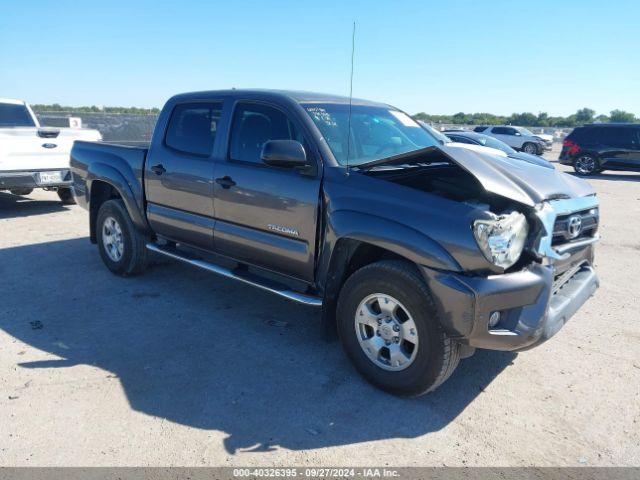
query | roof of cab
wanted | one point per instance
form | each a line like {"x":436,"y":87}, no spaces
{"x":296,"y":96}
{"x":12,"y":101}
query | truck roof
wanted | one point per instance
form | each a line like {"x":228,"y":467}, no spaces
{"x":12,"y":101}
{"x":296,"y":96}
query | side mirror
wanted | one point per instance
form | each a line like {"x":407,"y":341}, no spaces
{"x":518,"y":134}
{"x":284,"y":154}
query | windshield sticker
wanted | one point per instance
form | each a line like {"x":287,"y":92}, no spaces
{"x":321,"y":115}
{"x":405,"y":119}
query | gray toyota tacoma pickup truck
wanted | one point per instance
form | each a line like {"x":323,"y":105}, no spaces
{"x":417,"y":252}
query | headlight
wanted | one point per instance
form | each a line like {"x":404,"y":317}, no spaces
{"x":502,"y":238}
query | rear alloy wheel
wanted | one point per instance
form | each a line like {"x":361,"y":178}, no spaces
{"x":586,"y":165}
{"x":122,"y":247}
{"x":530,"y":148}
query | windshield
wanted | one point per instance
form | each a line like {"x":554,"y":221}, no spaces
{"x":376,"y":132}
{"x":491,"y":142}
{"x":524,"y":131}
{"x":15,"y":115}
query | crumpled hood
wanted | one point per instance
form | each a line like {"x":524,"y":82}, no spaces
{"x":520,"y":181}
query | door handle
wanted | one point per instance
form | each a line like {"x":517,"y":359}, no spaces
{"x":158,"y":169}
{"x":225,"y":182}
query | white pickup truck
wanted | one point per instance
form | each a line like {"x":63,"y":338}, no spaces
{"x":35,"y":157}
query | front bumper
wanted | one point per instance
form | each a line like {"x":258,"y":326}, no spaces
{"x":31,"y":179}
{"x":532,"y":307}
{"x":546,"y":147}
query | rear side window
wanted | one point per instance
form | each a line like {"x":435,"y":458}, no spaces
{"x":617,"y":137}
{"x":479,"y":129}
{"x":579,"y":134}
{"x":192,"y":128}
{"x":504,"y":131}
{"x":254,"y":125}
{"x":15,"y":116}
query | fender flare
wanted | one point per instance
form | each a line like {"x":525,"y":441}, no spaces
{"x":393,"y":236}
{"x":347,"y":229}
{"x":127,"y":190}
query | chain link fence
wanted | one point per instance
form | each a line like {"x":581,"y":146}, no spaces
{"x":138,"y":128}
{"x":114,"y":127}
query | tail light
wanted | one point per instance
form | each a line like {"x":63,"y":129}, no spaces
{"x":572,"y":146}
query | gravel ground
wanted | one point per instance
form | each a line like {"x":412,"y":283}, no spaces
{"x":179,"y":367}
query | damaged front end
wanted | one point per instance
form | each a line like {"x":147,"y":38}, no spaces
{"x":536,"y":228}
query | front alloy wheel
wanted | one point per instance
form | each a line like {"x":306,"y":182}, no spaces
{"x":390,"y":329}
{"x":530,"y":148}
{"x":386,"y":332}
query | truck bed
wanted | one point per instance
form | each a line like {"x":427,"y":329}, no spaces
{"x":90,"y":160}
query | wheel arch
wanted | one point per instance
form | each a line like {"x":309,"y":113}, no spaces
{"x":104,"y":183}
{"x":355,"y":240}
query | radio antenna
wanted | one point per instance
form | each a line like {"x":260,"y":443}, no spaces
{"x":353,"y":49}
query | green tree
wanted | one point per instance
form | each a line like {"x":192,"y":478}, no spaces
{"x":584,"y":115}
{"x":620,"y":116}
{"x":523,"y":119}
{"x":542,"y":120}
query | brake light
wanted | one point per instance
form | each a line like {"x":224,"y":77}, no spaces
{"x":572,"y":146}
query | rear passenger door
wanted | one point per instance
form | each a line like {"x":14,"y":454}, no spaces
{"x":508,"y":136}
{"x":266,"y":216}
{"x":179,"y":175}
{"x":621,"y":147}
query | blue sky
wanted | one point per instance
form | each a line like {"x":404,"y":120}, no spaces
{"x":438,"y":57}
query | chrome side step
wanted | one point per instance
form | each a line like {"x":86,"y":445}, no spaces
{"x":240,"y":275}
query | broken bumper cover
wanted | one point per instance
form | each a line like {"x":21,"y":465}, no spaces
{"x":532,"y":308}
{"x":32,"y":179}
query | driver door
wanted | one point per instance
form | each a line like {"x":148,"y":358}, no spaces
{"x":265,"y":216}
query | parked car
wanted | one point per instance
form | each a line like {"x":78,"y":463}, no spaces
{"x":443,"y":139}
{"x":417,"y":252}
{"x":32,"y":156}
{"x":473,"y":138}
{"x":519,"y":138}
{"x":594,"y":148}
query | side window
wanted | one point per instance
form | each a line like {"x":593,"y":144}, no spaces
{"x":479,"y":129}
{"x":504,"y":131}
{"x":192,"y":128}
{"x":254,"y":125}
{"x":619,"y":137}
{"x":458,"y":139}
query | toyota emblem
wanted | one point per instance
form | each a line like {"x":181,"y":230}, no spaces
{"x":575,"y":226}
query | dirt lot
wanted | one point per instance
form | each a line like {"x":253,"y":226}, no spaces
{"x":179,"y":367}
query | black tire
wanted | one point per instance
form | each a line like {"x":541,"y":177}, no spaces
{"x":66,"y":196}
{"x":135,"y":256}
{"x":586,"y":165}
{"x":437,"y":355}
{"x":21,"y":191}
{"x":531,"y":148}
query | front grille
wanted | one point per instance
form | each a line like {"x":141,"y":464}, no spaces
{"x":575,"y":226}
{"x":561,"y":279}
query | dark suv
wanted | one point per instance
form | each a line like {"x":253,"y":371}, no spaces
{"x":594,"y":148}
